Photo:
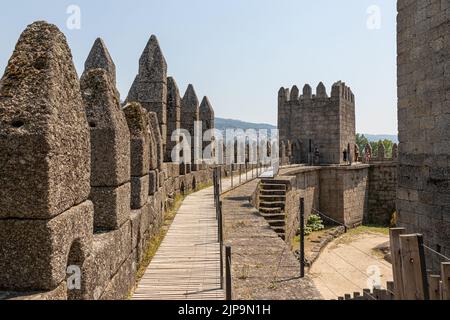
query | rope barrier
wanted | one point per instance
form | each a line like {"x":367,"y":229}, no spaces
{"x":435,"y":252}
{"x":327,"y":217}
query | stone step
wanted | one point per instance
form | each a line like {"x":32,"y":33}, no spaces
{"x":271,"y":210}
{"x":277,"y":223}
{"x":273,"y":192}
{"x":272,"y":198}
{"x":271,"y":204}
{"x":273,"y":216}
{"x":279,"y":230}
{"x":272,"y":186}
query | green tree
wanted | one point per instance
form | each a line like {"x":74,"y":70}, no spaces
{"x":361,"y":142}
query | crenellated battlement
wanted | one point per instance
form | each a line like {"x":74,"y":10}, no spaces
{"x":83,"y":180}
{"x":339,"y":91}
{"x":317,"y":122}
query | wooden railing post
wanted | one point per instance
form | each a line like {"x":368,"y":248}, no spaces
{"x":397,"y":261}
{"x":445,"y":278}
{"x":229,"y":285}
{"x":414,"y":275}
{"x":302,"y":237}
{"x":434,"y":284}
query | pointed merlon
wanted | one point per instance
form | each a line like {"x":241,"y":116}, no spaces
{"x":206,"y":117}
{"x":307,"y":91}
{"x":190,"y":101}
{"x":206,"y":107}
{"x":152,"y":64}
{"x":336,"y":90}
{"x":42,"y":112}
{"x":295,"y":93}
{"x":321,"y":91}
{"x":99,"y":57}
{"x":173,"y":93}
{"x":282,"y":98}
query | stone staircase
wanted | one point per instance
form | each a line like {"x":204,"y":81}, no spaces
{"x":272,"y":203}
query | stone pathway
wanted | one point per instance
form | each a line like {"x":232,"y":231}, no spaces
{"x":347,"y":264}
{"x":263,"y":266}
{"x":187,"y":264}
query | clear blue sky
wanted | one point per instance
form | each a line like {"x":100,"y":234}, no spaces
{"x":238,"y":52}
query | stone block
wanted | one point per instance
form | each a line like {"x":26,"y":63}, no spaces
{"x":110,"y":136}
{"x":35,"y":253}
{"x":58,"y":171}
{"x":123,"y":281}
{"x":153,"y":182}
{"x":152,"y":92}
{"x":138,"y":123}
{"x":111,"y":206}
{"x":60,"y":293}
{"x":139,"y":191}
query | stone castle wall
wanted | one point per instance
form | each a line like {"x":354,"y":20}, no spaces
{"x":84,"y":185}
{"x":382,"y":192}
{"x":328,"y":122}
{"x":340,"y":192}
{"x":423,"y":198}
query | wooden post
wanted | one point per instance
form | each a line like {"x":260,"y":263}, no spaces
{"x":229,"y":294}
{"x":391,"y":289}
{"x":215,"y":186}
{"x":240,"y":173}
{"x":434,"y":284}
{"x":302,"y":237}
{"x":445,"y":277}
{"x":414,"y":276}
{"x":397,"y":261}
{"x":231,"y":169}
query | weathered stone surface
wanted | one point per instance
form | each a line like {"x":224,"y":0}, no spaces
{"x":41,"y":105}
{"x":139,"y":191}
{"x":154,"y":126}
{"x":150,"y":86}
{"x":328,"y":123}
{"x":35,"y":253}
{"x":153,"y":182}
{"x":190,"y":109}
{"x":138,"y":123}
{"x":60,"y":293}
{"x":207,"y":118}
{"x":173,"y":116}
{"x":110,"y":136}
{"x":123,"y":281}
{"x":190,"y":114}
{"x":152,"y":64}
{"x":111,"y":206}
{"x":424,"y":118}
{"x":99,"y":58}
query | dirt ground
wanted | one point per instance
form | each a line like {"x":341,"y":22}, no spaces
{"x":352,"y":263}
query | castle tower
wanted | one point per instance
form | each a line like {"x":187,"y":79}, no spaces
{"x":150,"y":85}
{"x":317,"y":124}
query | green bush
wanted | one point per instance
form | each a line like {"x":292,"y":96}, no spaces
{"x":314,"y":223}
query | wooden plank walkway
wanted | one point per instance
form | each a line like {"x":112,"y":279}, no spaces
{"x":187,"y":264}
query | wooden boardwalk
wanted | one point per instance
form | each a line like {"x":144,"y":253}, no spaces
{"x":187,"y":264}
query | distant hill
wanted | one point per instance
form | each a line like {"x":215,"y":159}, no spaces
{"x":378,"y":137}
{"x":223,"y":124}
